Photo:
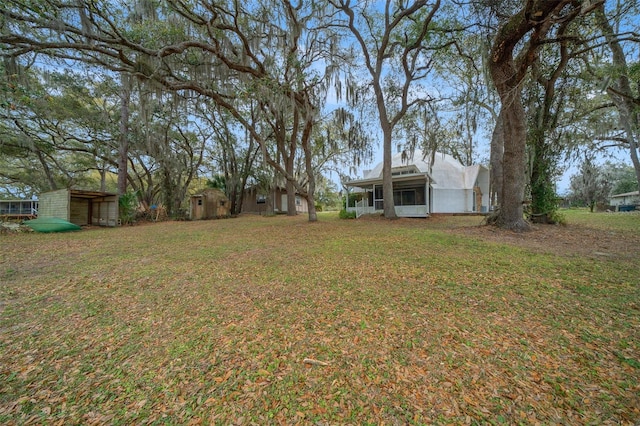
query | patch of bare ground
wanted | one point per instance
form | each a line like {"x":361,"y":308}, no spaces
{"x":566,"y":240}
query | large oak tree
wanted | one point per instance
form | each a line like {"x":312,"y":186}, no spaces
{"x":396,"y":53}
{"x":515,"y":48}
{"x":228,"y":52}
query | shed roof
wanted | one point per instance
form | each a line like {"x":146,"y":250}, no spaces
{"x":207,"y":192}
{"x":81,"y":193}
{"x":626,"y":194}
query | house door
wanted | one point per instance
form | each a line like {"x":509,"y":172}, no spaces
{"x":377,"y":197}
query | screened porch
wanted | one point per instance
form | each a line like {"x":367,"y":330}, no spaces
{"x":410,"y":197}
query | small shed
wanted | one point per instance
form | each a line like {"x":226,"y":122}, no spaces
{"x":626,"y":199}
{"x":210,"y":203}
{"x":80,"y":207}
{"x":255,"y":200}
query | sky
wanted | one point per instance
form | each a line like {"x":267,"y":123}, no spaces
{"x":570,"y":168}
{"x":615,"y":155}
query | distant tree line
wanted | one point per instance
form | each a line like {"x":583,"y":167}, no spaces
{"x":594,"y":183}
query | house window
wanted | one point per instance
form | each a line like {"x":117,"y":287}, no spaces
{"x":199,"y":201}
{"x":298,"y":201}
{"x":261,"y":199}
{"x":222,"y":203}
{"x":398,"y":171}
{"x":410,"y":195}
{"x":404,"y":197}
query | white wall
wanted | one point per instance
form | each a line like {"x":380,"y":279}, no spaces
{"x":452,"y":200}
{"x":629,"y":199}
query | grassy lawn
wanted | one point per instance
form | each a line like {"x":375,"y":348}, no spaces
{"x":211,"y":322}
{"x":627,"y":222}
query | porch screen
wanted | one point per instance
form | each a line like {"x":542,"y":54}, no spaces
{"x":412,"y":196}
{"x":409,"y":197}
{"x":377,"y":197}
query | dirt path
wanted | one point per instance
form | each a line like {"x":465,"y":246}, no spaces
{"x":565,"y":240}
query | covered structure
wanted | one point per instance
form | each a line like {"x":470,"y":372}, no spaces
{"x":626,"y":201}
{"x":255,"y":200}
{"x":425,"y":185}
{"x":18,"y":209}
{"x":210,"y":203}
{"x":80,"y":207}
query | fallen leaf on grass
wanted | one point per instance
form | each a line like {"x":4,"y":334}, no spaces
{"x":224,"y":378}
{"x":315,"y":362}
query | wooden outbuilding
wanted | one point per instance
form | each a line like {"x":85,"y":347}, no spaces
{"x":80,"y":207}
{"x":255,"y":200}
{"x":210,"y":203}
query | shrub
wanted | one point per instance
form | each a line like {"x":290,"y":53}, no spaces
{"x":557,"y":218}
{"x":353,"y":197}
{"x":128,"y":203}
{"x":347,"y":215}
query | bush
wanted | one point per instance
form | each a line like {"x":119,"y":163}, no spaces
{"x":128,"y":203}
{"x":558,"y":218}
{"x":347,"y":215}
{"x":353,"y":197}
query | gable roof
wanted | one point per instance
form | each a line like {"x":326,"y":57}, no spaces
{"x":401,"y":160}
{"x":446,"y":172}
{"x":210,"y":193}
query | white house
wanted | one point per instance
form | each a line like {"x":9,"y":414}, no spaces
{"x":424,"y":185}
{"x":628,"y":198}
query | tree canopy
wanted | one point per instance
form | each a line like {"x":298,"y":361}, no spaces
{"x":163,"y":93}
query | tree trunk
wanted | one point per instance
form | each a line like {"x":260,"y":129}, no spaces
{"x":308,"y":164}
{"x":291,"y":199}
{"x":47,"y":170}
{"x":235,"y":202}
{"x":270,"y":202}
{"x":387,"y":176}
{"x":103,"y":179}
{"x":288,"y":156}
{"x":511,"y":213}
{"x":514,"y":161}
{"x":527,"y":28}
{"x":497,"y":153}
{"x":311,"y":206}
{"x":123,"y":148}
{"x":168,"y":192}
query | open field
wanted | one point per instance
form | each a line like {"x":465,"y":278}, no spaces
{"x":404,"y":322}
